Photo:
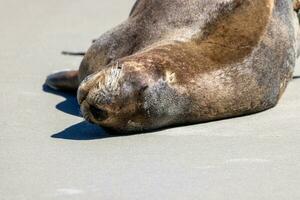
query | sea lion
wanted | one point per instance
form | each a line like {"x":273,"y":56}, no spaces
{"x":175,"y":62}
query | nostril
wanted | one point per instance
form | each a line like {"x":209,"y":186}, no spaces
{"x":98,"y":114}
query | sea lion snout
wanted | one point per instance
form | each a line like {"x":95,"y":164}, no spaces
{"x":91,"y":96}
{"x":93,"y":113}
{"x":108,"y":97}
{"x":98,"y":114}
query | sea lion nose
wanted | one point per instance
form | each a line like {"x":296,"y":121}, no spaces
{"x":85,"y":87}
{"x":81,"y":94}
{"x":98,"y":114}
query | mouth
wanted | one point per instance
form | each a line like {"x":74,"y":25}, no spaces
{"x":93,"y":113}
{"x":98,"y":114}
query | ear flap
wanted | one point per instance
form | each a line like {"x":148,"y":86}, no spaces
{"x":233,"y":37}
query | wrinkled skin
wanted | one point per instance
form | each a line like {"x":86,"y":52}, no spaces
{"x":175,"y":62}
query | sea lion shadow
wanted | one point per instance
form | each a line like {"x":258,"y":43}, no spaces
{"x":82,"y":131}
{"x":70,"y":105}
{"x":79,"y":131}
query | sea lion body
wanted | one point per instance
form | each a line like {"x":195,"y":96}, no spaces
{"x":177,"y":62}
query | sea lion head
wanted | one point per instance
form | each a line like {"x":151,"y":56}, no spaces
{"x":113,"y":95}
{"x":129,"y":97}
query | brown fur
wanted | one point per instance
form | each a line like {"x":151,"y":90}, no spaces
{"x":296,"y":5}
{"x":177,"y":62}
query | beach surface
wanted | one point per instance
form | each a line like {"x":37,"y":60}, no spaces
{"x":48,"y":152}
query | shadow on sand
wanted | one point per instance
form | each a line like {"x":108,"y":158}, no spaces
{"x":70,"y":105}
{"x":80,"y":131}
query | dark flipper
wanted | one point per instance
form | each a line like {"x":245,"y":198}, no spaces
{"x":64,"y":80}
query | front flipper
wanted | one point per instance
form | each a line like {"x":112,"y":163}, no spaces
{"x":63,"y":80}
